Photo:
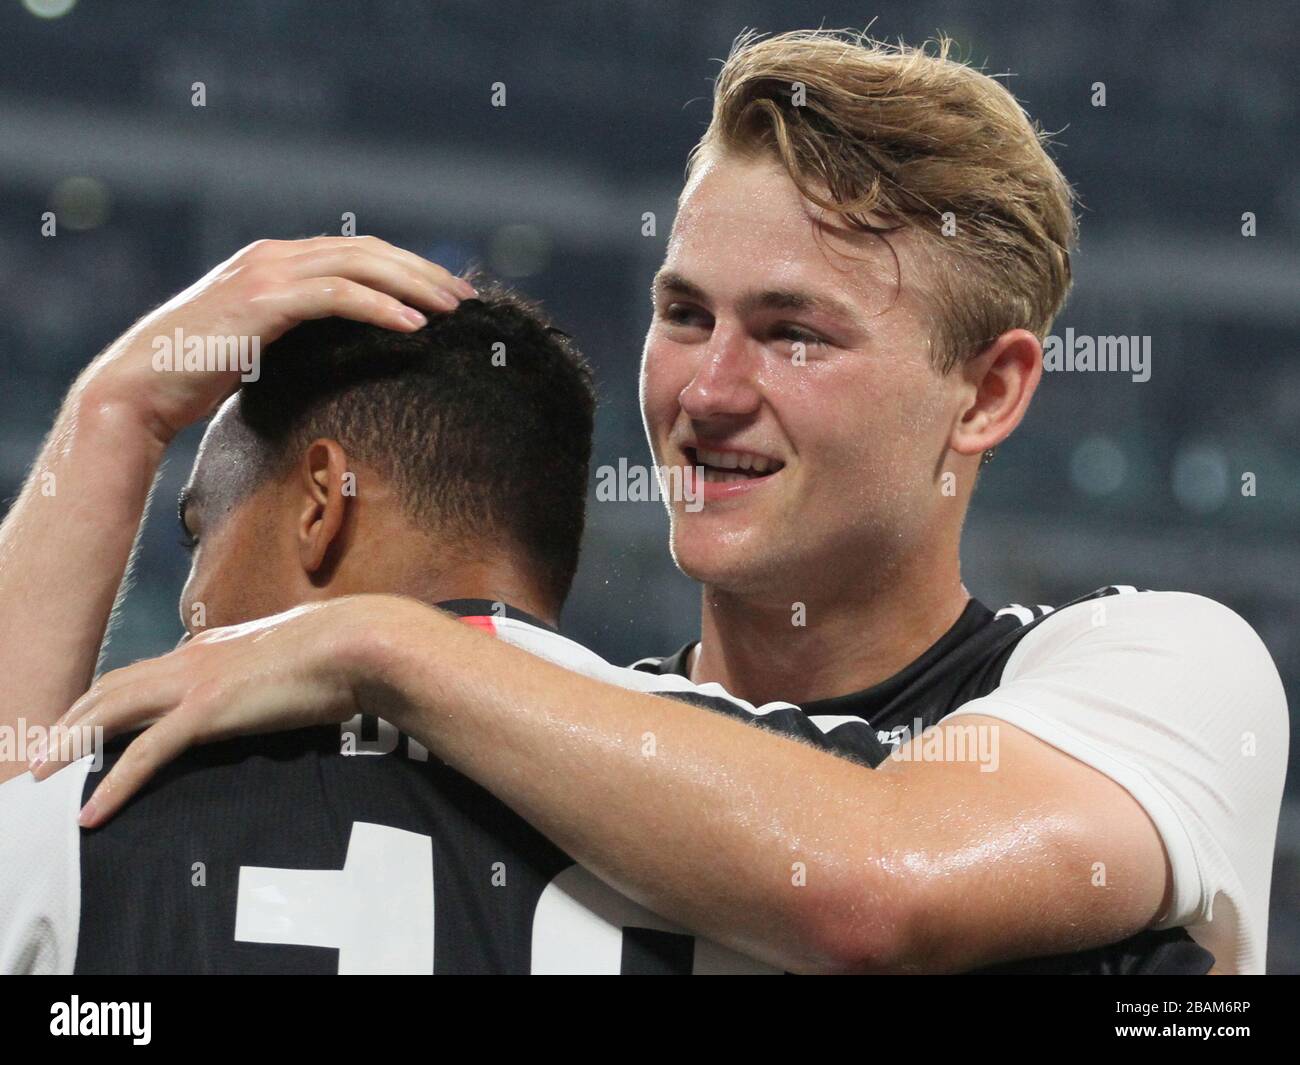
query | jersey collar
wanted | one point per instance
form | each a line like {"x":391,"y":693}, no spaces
{"x":487,"y":608}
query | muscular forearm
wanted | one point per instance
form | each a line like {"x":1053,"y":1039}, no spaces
{"x":64,"y":547}
{"x":741,"y":835}
{"x":772,"y":847}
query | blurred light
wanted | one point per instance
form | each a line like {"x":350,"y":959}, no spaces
{"x":80,"y":203}
{"x":49,"y":8}
{"x":519,"y":251}
{"x":1098,"y":466}
{"x":1200,"y":477}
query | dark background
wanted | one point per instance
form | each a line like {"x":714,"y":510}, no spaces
{"x":316,"y":109}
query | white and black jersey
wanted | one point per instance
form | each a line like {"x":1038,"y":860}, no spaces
{"x":1171,"y":695}
{"x":338,"y":850}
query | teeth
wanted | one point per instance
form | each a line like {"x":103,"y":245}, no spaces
{"x":732,"y":460}
{"x":723,"y":460}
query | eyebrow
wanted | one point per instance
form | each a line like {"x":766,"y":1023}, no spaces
{"x":667,"y":282}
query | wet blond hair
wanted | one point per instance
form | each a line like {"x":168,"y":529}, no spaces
{"x":888,"y":137}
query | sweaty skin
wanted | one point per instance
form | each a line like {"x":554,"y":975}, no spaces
{"x":861,"y":524}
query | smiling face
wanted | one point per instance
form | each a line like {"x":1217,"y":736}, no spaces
{"x":786,"y":359}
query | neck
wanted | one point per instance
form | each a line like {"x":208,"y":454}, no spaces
{"x":852,"y":637}
{"x":412,"y":574}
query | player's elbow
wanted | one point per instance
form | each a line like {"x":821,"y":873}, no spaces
{"x":854,"y":927}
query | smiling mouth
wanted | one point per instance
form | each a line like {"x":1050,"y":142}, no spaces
{"x":724,"y":467}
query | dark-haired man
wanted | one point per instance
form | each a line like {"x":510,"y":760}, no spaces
{"x":444,"y":464}
{"x":476,"y":429}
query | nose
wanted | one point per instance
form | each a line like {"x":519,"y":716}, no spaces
{"x":725,"y":380}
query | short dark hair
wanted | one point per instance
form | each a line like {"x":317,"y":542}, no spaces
{"x":482,"y":420}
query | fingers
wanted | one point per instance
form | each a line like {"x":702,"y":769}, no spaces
{"x":151,"y":750}
{"x":369,"y":261}
{"x":417,"y":263}
{"x":123,"y":701}
{"x":404,"y":276}
{"x":326,"y":297}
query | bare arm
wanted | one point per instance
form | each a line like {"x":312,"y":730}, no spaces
{"x":779,"y":850}
{"x":64,"y":547}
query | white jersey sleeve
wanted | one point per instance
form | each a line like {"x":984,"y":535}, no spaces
{"x":40,"y":871}
{"x":1175,"y":698}
{"x":842,"y":735}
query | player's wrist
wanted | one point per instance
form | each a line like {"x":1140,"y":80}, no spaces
{"x":391,"y":638}
{"x":103,"y":425}
{"x":123,"y":412}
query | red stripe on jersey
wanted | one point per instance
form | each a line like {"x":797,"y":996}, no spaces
{"x":484,"y":622}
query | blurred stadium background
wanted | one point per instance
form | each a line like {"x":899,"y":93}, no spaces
{"x":383,"y":110}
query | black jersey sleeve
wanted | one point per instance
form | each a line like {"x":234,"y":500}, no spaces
{"x":851,"y":738}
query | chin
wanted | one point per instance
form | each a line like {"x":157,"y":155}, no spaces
{"x":731,"y":560}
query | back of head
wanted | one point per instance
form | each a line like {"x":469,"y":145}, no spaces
{"x":482,"y":421}
{"x":872,"y":132}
